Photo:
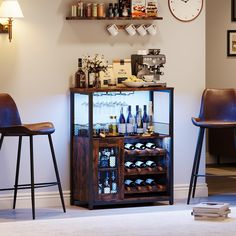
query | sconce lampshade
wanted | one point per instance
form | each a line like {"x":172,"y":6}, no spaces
{"x":10,"y":9}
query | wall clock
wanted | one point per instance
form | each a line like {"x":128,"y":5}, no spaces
{"x":185,"y":10}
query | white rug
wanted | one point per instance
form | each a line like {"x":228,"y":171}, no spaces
{"x":178,"y":222}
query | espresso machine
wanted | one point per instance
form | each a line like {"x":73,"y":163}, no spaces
{"x":148,"y":64}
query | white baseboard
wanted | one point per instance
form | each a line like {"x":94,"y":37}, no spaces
{"x":52,"y":199}
{"x":181,"y":190}
{"x":42,"y":199}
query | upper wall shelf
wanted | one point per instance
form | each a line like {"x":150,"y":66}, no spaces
{"x":113,"y":18}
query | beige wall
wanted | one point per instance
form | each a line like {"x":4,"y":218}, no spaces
{"x":36,"y":69}
{"x":220,"y":69}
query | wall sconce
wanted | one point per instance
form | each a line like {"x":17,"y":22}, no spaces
{"x":9,"y":9}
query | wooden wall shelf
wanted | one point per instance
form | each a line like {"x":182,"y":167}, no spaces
{"x":113,"y":18}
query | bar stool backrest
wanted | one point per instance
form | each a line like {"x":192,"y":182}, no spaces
{"x":218,"y":104}
{"x":9,"y":115}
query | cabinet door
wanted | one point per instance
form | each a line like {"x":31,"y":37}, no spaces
{"x":108,"y":174}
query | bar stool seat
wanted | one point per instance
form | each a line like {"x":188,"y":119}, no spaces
{"x":218,"y":111}
{"x":10,"y":125}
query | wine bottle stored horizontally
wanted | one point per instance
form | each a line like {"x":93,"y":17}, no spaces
{"x":129,"y":183}
{"x":150,"y":182}
{"x":140,"y":146}
{"x":129,"y":146}
{"x":150,"y":164}
{"x":150,"y":145}
{"x":129,"y":165}
{"x":80,"y":76}
{"x":140,"y":164}
{"x":140,"y":182}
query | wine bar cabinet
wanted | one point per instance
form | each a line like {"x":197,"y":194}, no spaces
{"x":121,"y":146}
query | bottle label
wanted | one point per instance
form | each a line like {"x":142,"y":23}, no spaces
{"x":150,"y":145}
{"x":139,"y":146}
{"x":145,"y":126}
{"x":121,"y":128}
{"x":129,"y":146}
{"x":139,"y":130}
{"x":139,"y":181}
{"x":107,"y":190}
{"x":112,"y":161}
{"x":128,"y":182}
{"x":114,"y":187}
{"x":151,"y":163}
{"x":130,"y":128}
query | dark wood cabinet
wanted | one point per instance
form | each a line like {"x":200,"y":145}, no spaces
{"x":98,"y":157}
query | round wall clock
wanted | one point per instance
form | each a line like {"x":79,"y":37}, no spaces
{"x":185,"y":10}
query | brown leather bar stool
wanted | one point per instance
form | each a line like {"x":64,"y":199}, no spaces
{"x":10,"y":125}
{"x":218,"y":110}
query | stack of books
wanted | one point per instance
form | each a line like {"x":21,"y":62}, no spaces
{"x":211,"y":210}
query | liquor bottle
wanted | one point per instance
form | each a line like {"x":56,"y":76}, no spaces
{"x":139,"y":122}
{"x":113,"y":183}
{"x":129,"y":183}
{"x":91,"y":78}
{"x":107,"y":188}
{"x":129,"y":165}
{"x":129,"y":146}
{"x":110,"y":12}
{"x":145,"y":119}
{"x":150,"y":125}
{"x":116,"y":10}
{"x":150,"y":181}
{"x":121,"y":125}
{"x":112,"y":158}
{"x":150,"y":145}
{"x":120,"y":5}
{"x":104,"y":159}
{"x":150,"y":164}
{"x":140,"y":182}
{"x":140,"y":164}
{"x":99,"y":183}
{"x":130,"y":122}
{"x":140,"y":146}
{"x":80,"y":76}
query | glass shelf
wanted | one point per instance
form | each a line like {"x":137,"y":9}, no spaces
{"x":113,"y":18}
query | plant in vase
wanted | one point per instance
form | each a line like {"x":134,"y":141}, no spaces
{"x":93,"y":65}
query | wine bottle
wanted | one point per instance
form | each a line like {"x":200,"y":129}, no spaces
{"x":80,"y":76}
{"x":99,"y":183}
{"x":130,"y":122}
{"x":140,"y":146}
{"x":151,"y":164}
{"x":113,"y":183}
{"x":107,"y":188}
{"x":150,"y":124}
{"x":129,"y":165}
{"x":150,"y":181}
{"x":121,"y":125}
{"x":136,"y":119}
{"x":129,"y":146}
{"x":140,"y":182}
{"x":112,"y":158}
{"x":116,"y":10}
{"x":145,"y":119}
{"x":139,"y":122}
{"x":129,"y":183}
{"x":150,"y":145}
{"x":140,"y":164}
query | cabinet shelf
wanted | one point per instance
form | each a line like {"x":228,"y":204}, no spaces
{"x":146,"y":189}
{"x":145,"y":171}
{"x":113,"y":18}
{"x":146,"y":152}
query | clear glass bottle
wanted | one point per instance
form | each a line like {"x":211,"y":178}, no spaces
{"x":112,"y":159}
{"x":107,"y":187}
{"x":101,"y":10}
{"x":94,"y":10}
{"x":113,"y":129}
{"x":113,"y":182}
{"x":145,"y":119}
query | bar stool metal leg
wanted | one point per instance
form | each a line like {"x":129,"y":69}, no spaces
{"x":32,"y":176}
{"x":17,"y":171}
{"x":56,"y":171}
{"x":1,"y":141}
{"x":196,"y":162}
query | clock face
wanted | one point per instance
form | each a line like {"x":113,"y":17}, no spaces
{"x":185,"y":10}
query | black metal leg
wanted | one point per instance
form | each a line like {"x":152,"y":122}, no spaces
{"x":32,"y":176}
{"x":196,"y":163}
{"x":56,"y":171}
{"x":1,"y":141}
{"x":17,"y":171}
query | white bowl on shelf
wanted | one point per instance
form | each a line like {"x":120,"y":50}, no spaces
{"x":133,"y":84}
